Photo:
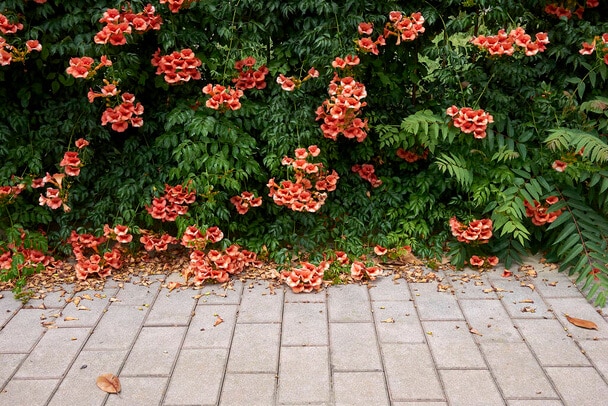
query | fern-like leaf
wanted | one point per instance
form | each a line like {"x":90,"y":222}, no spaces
{"x":592,"y":147}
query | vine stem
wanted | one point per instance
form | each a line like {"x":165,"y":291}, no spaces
{"x":484,"y":90}
{"x":231,"y":38}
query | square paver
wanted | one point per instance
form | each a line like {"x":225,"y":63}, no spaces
{"x":81,"y":313}
{"x":470,"y":388}
{"x":248,"y":389}
{"x":397,"y":322}
{"x":197,"y":378}
{"x":255,"y":348}
{"x":411,"y":373}
{"x":349,"y":303}
{"x":360,"y":388}
{"x":212,"y":326}
{"x":354,"y":347}
{"x":579,"y":386}
{"x":160,"y":344}
{"x":304,"y":324}
{"x":259,"y":306}
{"x":452,"y":345}
{"x":304,"y":375}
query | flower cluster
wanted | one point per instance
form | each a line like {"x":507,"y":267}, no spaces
{"x":223,"y":98}
{"x":476,"y":230}
{"x":539,"y":213}
{"x":176,"y":5}
{"x":8,"y":27}
{"x":359,"y":271}
{"x":31,"y":258}
{"x":245,"y":201}
{"x":367,"y":44}
{"x":340,"y":113}
{"x":213,"y":264}
{"x":483,"y":262}
{"x":292,"y":83}
{"x":411,"y":156}
{"x":560,"y":11}
{"x":404,"y":28}
{"x":154,"y":242}
{"x":306,"y":278}
{"x":127,"y":112}
{"x":367,"y":172}
{"x":83,"y":67}
{"x":177,"y":66}
{"x":120,"y":23}
{"x":248,"y":77}
{"x":119,"y":233}
{"x":470,"y":121}
{"x":9,"y":53}
{"x":602,"y":52}
{"x":312,"y":181}
{"x":503,"y":43}
{"x":89,"y":259}
{"x":71,"y":163}
{"x":172,"y":204}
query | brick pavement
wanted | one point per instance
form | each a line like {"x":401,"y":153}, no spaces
{"x":389,"y":343}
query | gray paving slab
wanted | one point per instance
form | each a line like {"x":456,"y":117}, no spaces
{"x":597,"y":351}
{"x":133,"y":294}
{"x":258,"y":305}
{"x":312,"y":297}
{"x":21,"y":332}
{"x":534,"y":402}
{"x":452,"y":345}
{"x":155,"y":351}
{"x":212,"y":326}
{"x":8,"y":306}
{"x":30,"y":392}
{"x":221,"y":294}
{"x":579,"y":308}
{"x":255,"y":348}
{"x":78,"y":386}
{"x":384,"y":289}
{"x":8,"y":366}
{"x":349,"y":303}
{"x":248,"y":389}
{"x":470,"y":285}
{"x":581,"y":386}
{"x":410,"y":373}
{"x":354,"y":347}
{"x":521,"y":301}
{"x":470,"y":387}
{"x":433,"y":305}
{"x":197,"y":378}
{"x":304,"y":324}
{"x":490,"y":320}
{"x":304,"y":375}
{"x":53,"y":354}
{"x":85,"y":312}
{"x":553,"y":284}
{"x":55,"y":299}
{"x":360,"y":388}
{"x":117,"y":329}
{"x":397,"y":322}
{"x":516,"y":371}
{"x":171,"y":309}
{"x":139,"y":391}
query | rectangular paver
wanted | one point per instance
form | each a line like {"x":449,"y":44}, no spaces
{"x":171,"y":309}
{"x":433,"y":305}
{"x":30,"y":392}
{"x":349,"y":303}
{"x":21,"y":332}
{"x":139,"y":391}
{"x":579,"y":386}
{"x":579,"y":308}
{"x":221,"y":294}
{"x":360,"y":388}
{"x":117,"y":329}
{"x":8,"y":365}
{"x":397,"y":322}
{"x":521,"y":301}
{"x":304,"y":375}
{"x":8,"y":306}
{"x":212,"y":326}
{"x":248,"y":389}
{"x":452,"y":345}
{"x":470,"y":388}
{"x":491,"y":320}
{"x":386,"y":288}
{"x":354,"y":347}
{"x":259,"y":306}
{"x":304,"y":324}
{"x":255,"y":348}
{"x":157,"y":344}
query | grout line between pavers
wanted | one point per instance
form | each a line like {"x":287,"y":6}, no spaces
{"x":378,"y":345}
{"x":236,"y":319}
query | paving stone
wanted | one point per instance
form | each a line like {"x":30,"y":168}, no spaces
{"x":202,"y":331}
{"x":515,"y":299}
{"x":304,"y":375}
{"x":550,"y":343}
{"x":385,"y":288}
{"x":221,"y":294}
{"x":197,"y":377}
{"x":30,"y":392}
{"x":139,"y":391}
{"x":410,"y":372}
{"x":78,"y":386}
{"x":360,"y":388}
{"x":531,"y":402}
{"x":596,"y":350}
{"x":171,"y":309}
{"x":155,"y":351}
{"x":349,"y":303}
{"x":133,"y":294}
{"x":491,"y":320}
{"x":50,"y":300}
{"x":8,"y":365}
{"x":470,"y":388}
{"x":555,"y":284}
{"x":452,"y":345}
{"x":582,"y":309}
{"x":248,"y":389}
{"x":86,"y":314}
{"x":117,"y":329}
{"x":8,"y":306}
{"x":304,"y":324}
{"x":354,"y":347}
{"x":516,"y":371}
{"x":255,"y":348}
{"x":312,"y":297}
{"x":53,"y":354}
{"x":433,"y":305}
{"x":406,"y":326}
{"x":21,"y":332}
{"x":475,"y":286}
{"x":579,"y":386}
{"x":419,"y":403}
{"x":259,"y":306}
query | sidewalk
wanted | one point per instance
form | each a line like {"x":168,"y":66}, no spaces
{"x":490,"y":341}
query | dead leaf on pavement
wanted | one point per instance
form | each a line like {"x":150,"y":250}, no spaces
{"x":474,"y":331}
{"x":76,"y":301}
{"x":389,"y":320}
{"x":582,"y":323}
{"x":218,"y":321}
{"x":70,"y":318}
{"x":108,"y":383}
{"x":87,"y":297}
{"x":173,"y":285}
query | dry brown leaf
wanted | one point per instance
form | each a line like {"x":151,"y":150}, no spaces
{"x":474,"y":331}
{"x":108,"y":383}
{"x":76,"y":301}
{"x":173,"y":285}
{"x":528,"y":309}
{"x":526,"y":301}
{"x":87,"y":297}
{"x":218,"y":321}
{"x":389,"y":320}
{"x":70,"y":318}
{"x":582,"y":323}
